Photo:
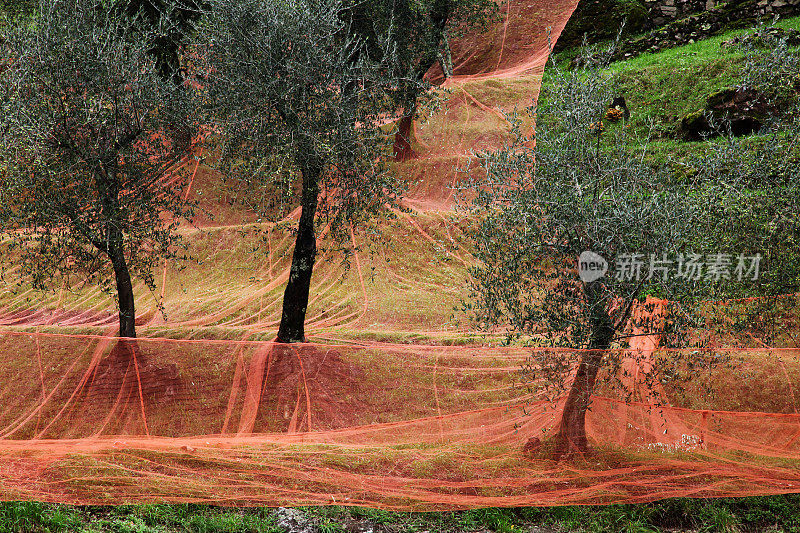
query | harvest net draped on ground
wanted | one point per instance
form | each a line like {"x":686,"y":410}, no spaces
{"x":396,"y":404}
{"x":415,"y":427}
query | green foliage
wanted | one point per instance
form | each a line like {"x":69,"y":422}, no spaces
{"x":599,"y":20}
{"x":420,"y":30}
{"x":13,"y":10}
{"x":588,"y":184}
{"x":758,"y":513}
{"x":330,"y":527}
{"x":88,"y":138}
{"x":296,"y":93}
{"x":660,"y":92}
{"x":379,"y":516}
{"x":660,"y":88}
{"x":36,"y":516}
{"x":581,"y":186}
{"x":166,"y":26}
{"x":752,"y":191}
{"x":772,"y":67}
{"x":755,"y":209}
{"x":494,"y":519}
{"x":299,"y":98}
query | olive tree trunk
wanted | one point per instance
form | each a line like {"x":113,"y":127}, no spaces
{"x":127,"y":308}
{"x":402,"y":139}
{"x":295,"y":298}
{"x":440,"y":14}
{"x":571,"y":437}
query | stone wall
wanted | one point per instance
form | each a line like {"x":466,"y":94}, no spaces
{"x":706,"y":23}
{"x":667,"y":23}
{"x":779,"y":7}
{"x":662,"y":12}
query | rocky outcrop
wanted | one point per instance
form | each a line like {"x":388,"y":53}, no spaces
{"x":293,"y":521}
{"x":661,"y":12}
{"x":718,"y":19}
{"x":671,"y":22}
{"x":765,"y":39}
{"x":740,"y":110}
{"x":779,"y":7}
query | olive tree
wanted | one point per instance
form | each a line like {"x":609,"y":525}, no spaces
{"x":91,"y":187}
{"x":421,"y":30}
{"x":753,"y":195}
{"x":167,"y":27}
{"x":299,"y":103}
{"x":579,"y":196}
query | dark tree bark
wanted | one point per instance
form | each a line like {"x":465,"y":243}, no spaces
{"x":127,"y":309}
{"x":571,"y":437}
{"x":439,"y":15}
{"x":295,"y":298}
{"x":402,"y":139}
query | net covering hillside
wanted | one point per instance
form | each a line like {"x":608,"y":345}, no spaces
{"x":396,"y":403}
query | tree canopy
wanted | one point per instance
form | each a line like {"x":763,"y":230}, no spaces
{"x":577,"y":228}
{"x":420,"y":31}
{"x":300,"y":100}
{"x":92,"y":183}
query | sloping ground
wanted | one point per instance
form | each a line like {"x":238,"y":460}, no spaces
{"x":380,"y":410}
{"x":400,"y":427}
{"x":407,"y":288}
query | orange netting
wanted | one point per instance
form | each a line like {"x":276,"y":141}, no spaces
{"x":92,"y":420}
{"x":396,"y":405}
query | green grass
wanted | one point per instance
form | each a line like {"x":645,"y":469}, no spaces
{"x":40,"y":517}
{"x":773,"y":513}
{"x":660,"y":88}
{"x":663,"y":87}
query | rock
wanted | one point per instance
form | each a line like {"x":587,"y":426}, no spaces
{"x":693,"y":125}
{"x":355,"y":526}
{"x":744,"y":111}
{"x":765,"y":39}
{"x":670,"y":22}
{"x":293,"y":521}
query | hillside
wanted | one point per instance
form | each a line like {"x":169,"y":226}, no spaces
{"x":397,"y":402}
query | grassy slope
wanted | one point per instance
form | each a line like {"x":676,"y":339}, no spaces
{"x":661,"y":88}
